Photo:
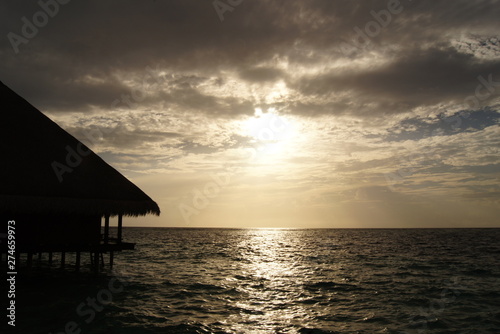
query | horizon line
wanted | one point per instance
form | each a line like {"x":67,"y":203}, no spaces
{"x":311,"y":228}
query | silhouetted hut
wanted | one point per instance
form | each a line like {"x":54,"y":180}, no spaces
{"x":57,"y":190}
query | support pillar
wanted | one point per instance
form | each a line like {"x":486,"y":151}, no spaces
{"x":120,"y":222}
{"x":77,"y":264}
{"x":96,"y":262}
{"x":30,"y":260}
{"x":106,"y":229}
{"x":111,"y":259}
{"x":63,"y":260}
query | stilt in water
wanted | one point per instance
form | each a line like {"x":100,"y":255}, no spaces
{"x":120,"y":226}
{"x":106,"y":229}
{"x":77,"y":264}
{"x":111,"y":258}
{"x":63,"y":260}
{"x":30,"y":260}
{"x":96,"y":262}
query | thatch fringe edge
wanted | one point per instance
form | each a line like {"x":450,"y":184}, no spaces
{"x":47,"y":205}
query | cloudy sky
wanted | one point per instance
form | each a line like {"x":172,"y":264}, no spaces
{"x":290,"y":113}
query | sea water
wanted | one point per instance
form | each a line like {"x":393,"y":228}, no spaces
{"x":276,"y":281}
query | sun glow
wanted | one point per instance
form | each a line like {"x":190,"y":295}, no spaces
{"x":271,"y":134}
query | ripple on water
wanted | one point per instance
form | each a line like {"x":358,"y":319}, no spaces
{"x":289,"y":281}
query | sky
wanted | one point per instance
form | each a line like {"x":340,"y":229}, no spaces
{"x":278,"y":114}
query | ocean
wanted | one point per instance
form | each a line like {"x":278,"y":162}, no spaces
{"x":188,"y":280}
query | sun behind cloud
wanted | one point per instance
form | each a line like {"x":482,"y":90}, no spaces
{"x":271,"y":134}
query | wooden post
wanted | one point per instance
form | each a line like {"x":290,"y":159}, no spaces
{"x":30,"y":259}
{"x":39,"y":257}
{"x":96,"y":261}
{"x":102,"y":260}
{"x":111,"y":258}
{"x":106,"y":229}
{"x":120,"y":222}
{"x":63,"y":259}
{"x":50,"y":258}
{"x":77,"y":264}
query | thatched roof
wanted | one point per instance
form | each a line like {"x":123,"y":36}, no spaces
{"x":36,"y":178}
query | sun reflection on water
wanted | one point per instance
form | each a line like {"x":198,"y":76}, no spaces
{"x":273,"y":267}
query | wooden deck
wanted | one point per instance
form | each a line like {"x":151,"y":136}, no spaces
{"x":104,"y":244}
{"x":96,"y":253}
{"x":103,"y":248}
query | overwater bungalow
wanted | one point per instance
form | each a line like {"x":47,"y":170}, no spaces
{"x":60,"y":194}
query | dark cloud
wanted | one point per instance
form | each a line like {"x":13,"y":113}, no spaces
{"x":120,"y":136}
{"x":191,"y":146}
{"x":261,"y":74}
{"x":442,"y":125}
{"x":481,"y":195}
{"x":415,"y":78}
{"x":159,"y":86}
{"x":186,"y":39}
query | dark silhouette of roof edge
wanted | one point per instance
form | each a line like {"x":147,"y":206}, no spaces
{"x":28,"y":183}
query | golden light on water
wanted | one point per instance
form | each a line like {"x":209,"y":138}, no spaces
{"x":272,"y":264}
